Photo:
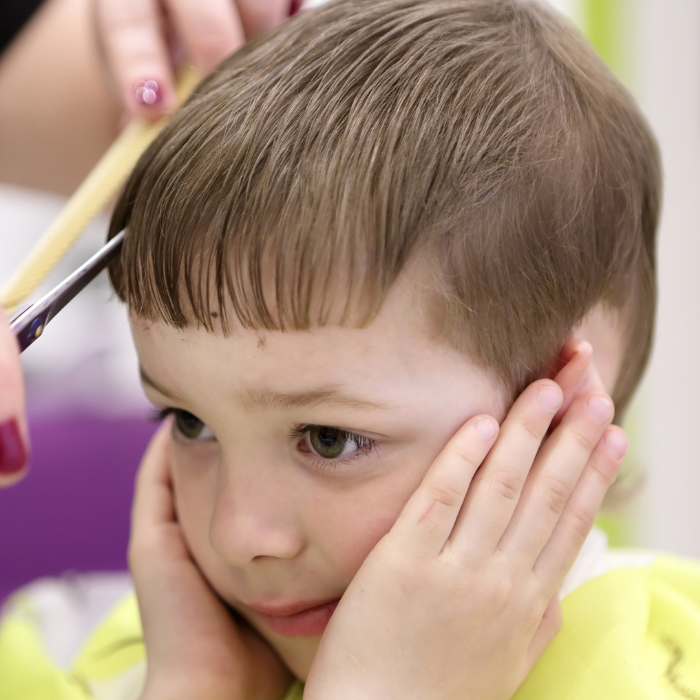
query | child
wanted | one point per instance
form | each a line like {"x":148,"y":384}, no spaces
{"x":365,"y":235}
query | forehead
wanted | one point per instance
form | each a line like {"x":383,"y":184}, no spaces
{"x":394,"y":359}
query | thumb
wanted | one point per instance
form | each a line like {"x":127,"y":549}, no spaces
{"x":153,"y":500}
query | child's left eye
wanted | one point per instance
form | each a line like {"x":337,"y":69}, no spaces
{"x":329,"y":442}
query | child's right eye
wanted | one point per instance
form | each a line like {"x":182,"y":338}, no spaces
{"x":187,"y":424}
{"x":190,"y":426}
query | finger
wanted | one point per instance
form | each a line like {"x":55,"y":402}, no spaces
{"x":555,"y":474}
{"x":575,"y":359}
{"x":153,"y":499}
{"x":210,"y":30}
{"x":14,"y":453}
{"x":133,"y":36}
{"x":260,"y":15}
{"x":495,"y":491}
{"x":577,"y":375}
{"x":547,"y":630}
{"x":559,"y":554}
{"x":429,"y":516}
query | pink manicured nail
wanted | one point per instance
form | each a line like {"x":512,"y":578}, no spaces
{"x":13,"y":453}
{"x":487,"y":428}
{"x":616,"y":443}
{"x":147,"y":92}
{"x":294,"y":7}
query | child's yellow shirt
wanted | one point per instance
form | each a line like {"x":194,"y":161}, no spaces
{"x":631,"y":633}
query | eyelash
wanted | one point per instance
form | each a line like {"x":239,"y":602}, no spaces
{"x":298,"y":432}
{"x":158,"y":415}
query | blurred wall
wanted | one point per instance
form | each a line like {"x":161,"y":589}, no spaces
{"x":668,"y":54}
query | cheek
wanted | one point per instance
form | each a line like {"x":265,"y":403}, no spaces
{"x":350,"y":525}
{"x":194,"y":502}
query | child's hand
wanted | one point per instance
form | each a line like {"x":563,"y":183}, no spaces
{"x":459,"y":599}
{"x":194,"y":647}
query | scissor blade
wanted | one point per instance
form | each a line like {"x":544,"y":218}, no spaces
{"x":30,"y":324}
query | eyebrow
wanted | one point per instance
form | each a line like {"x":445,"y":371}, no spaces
{"x":153,"y":384}
{"x":265,"y":398}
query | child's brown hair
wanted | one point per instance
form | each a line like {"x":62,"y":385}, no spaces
{"x":483,"y":137}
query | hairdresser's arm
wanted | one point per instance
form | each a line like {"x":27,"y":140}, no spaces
{"x":13,"y":426}
{"x":57,"y":113}
{"x":140,"y":46}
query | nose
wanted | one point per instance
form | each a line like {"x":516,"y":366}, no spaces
{"x":254,"y":517}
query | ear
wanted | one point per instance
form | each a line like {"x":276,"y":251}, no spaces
{"x":575,"y":373}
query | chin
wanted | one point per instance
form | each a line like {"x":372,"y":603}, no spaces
{"x":297,"y":653}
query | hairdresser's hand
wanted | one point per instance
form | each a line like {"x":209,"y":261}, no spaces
{"x":195,"y":649}
{"x":459,"y":599}
{"x":142,"y":41}
{"x":13,"y":425}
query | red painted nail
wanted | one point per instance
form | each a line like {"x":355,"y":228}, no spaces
{"x":147,"y":92}
{"x":13,"y":453}
{"x":294,"y":7}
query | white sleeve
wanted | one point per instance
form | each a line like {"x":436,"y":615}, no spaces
{"x":596,"y":559}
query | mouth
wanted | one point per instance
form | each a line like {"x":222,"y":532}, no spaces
{"x":304,"y":619}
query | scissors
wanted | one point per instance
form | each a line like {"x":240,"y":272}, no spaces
{"x":28,"y":325}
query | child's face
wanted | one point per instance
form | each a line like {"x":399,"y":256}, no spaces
{"x":276,"y":514}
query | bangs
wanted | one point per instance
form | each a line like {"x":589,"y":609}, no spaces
{"x":269,"y":257}
{"x":274,"y":249}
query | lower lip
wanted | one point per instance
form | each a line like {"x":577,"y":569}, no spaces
{"x":307,"y":623}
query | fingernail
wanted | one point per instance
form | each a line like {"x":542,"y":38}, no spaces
{"x":616,"y":443}
{"x":147,"y":92}
{"x":294,"y":7}
{"x":584,"y":347}
{"x":13,"y":453}
{"x":487,"y":428}
{"x":600,"y":408}
{"x":549,"y":398}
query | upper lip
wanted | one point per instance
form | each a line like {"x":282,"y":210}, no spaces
{"x":284,"y":609}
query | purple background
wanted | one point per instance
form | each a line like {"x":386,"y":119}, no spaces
{"x":71,"y":512}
